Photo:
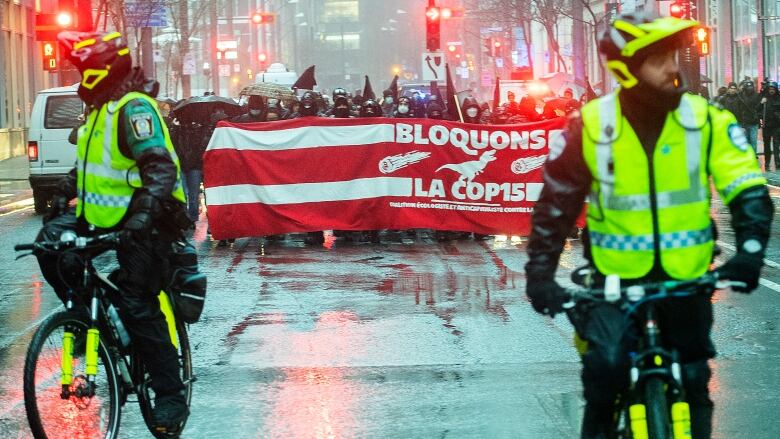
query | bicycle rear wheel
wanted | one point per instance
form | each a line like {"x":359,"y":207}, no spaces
{"x":658,"y":425}
{"x":78,"y":415}
{"x":146,"y":394}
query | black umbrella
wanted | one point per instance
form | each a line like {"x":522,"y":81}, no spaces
{"x":199,"y":108}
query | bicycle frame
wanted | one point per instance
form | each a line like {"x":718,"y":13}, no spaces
{"x":98,"y":304}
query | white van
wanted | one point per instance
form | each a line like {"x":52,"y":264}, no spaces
{"x":55,"y":113}
{"x":277,"y":73}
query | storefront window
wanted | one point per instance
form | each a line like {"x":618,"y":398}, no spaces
{"x":745,"y":44}
{"x":339,"y":11}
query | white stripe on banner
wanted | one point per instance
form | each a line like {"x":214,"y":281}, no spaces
{"x":303,"y":137}
{"x":310,"y":192}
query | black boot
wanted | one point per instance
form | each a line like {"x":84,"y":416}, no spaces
{"x":169,"y":413}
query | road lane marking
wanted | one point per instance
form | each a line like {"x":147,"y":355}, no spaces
{"x":769,"y":284}
{"x":17,"y":210}
{"x":768,"y":262}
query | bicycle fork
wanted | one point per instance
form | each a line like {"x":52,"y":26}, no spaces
{"x":680,"y":410}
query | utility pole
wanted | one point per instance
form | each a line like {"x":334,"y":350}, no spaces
{"x":263,"y":31}
{"x":578,"y":42}
{"x":214,"y":32}
{"x":147,"y":55}
{"x":184,"y":34}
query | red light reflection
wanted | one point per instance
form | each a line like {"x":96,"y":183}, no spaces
{"x":318,"y":400}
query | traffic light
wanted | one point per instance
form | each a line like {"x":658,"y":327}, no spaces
{"x":677,"y":9}
{"x":49,"y":52}
{"x":703,"y":41}
{"x":432,"y":28}
{"x":498,"y":49}
{"x":263,"y":18}
{"x":454,"y":50}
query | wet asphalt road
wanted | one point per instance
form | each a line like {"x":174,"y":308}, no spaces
{"x":410,"y":338}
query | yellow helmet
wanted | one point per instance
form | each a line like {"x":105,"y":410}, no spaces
{"x":632,"y":37}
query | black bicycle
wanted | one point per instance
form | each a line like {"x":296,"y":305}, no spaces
{"x":654,"y":405}
{"x":81,"y":366}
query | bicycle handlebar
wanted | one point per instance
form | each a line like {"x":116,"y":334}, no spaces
{"x":71,"y":240}
{"x":647,"y":291}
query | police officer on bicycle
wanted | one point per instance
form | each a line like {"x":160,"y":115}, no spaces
{"x":127,"y":178}
{"x":645,"y":154}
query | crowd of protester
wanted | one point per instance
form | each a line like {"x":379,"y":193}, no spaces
{"x":753,"y":110}
{"x":191,"y":137}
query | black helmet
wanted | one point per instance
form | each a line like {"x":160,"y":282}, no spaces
{"x":370,"y":108}
{"x":338,"y":91}
{"x":103,"y":60}
{"x":632,"y":37}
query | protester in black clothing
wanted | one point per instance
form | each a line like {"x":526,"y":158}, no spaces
{"x":744,"y":105}
{"x":255,"y":111}
{"x":341,"y":109}
{"x":404,"y":108}
{"x":770,"y":121}
{"x":434,"y":111}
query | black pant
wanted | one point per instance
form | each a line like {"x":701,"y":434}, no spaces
{"x":685,"y":326}
{"x":771,"y":146}
{"x":140,"y":277}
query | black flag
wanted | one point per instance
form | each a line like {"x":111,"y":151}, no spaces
{"x":394,"y":88}
{"x":306,"y":81}
{"x":368,"y":92}
{"x":452,"y":97}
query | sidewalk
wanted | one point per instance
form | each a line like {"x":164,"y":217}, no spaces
{"x":14,"y":185}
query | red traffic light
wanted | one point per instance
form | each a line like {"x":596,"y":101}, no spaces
{"x":433,"y":13}
{"x":677,"y":9}
{"x":446,"y":13}
{"x":64,"y":19}
{"x":497,"y":44}
{"x":452,"y":48}
{"x":262,"y":18}
{"x":262,"y":57}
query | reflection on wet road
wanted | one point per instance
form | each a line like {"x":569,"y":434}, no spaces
{"x":410,"y":338}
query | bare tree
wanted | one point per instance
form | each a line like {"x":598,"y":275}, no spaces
{"x":506,"y":13}
{"x":548,"y":13}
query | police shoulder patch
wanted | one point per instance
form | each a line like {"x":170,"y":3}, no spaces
{"x":143,"y":128}
{"x":738,"y":137}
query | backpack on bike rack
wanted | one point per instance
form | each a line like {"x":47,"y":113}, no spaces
{"x":188,"y":286}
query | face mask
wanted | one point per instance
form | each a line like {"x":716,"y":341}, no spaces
{"x":255,"y":112}
{"x":472,"y":112}
{"x":388,"y":100}
{"x":403,"y":109}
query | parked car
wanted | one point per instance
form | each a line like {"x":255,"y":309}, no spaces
{"x":55,"y":113}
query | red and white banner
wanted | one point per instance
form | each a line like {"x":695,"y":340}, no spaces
{"x":315,"y":174}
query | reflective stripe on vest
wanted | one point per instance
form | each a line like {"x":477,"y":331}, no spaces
{"x":663,"y":199}
{"x":620,"y":216}
{"x":106,"y":178}
{"x":645,"y":242}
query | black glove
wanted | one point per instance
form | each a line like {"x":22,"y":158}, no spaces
{"x":59,"y":206}
{"x":547,"y":297}
{"x":141,"y":214}
{"x":742,"y":267}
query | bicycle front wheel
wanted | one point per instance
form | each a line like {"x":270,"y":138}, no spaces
{"x":72,"y":410}
{"x":658,"y":425}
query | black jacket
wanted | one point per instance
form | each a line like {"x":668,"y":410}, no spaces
{"x":567,"y":181}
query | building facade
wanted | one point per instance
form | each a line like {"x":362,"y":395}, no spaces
{"x":19,"y":81}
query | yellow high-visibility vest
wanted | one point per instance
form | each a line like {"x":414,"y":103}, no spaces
{"x":628,"y":192}
{"x":106,"y":178}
